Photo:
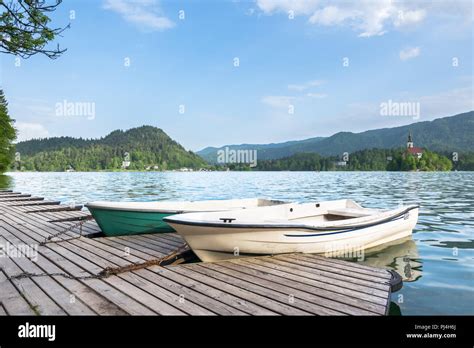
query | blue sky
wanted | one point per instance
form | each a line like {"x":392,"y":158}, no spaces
{"x":290,"y":83}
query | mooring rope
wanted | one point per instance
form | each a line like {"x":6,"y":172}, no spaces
{"x":68,"y":229}
{"x":107,"y":271}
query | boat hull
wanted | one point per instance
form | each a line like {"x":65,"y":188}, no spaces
{"x":211,"y":243}
{"x":119,"y":223}
{"x":129,"y":218}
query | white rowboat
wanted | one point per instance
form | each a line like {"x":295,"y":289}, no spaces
{"x":332,"y":228}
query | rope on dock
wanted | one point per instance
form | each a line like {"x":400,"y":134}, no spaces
{"x":68,"y":229}
{"x":107,"y":271}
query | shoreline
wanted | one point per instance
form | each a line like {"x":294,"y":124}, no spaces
{"x":247,"y":171}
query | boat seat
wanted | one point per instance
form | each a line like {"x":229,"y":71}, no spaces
{"x":352,"y":212}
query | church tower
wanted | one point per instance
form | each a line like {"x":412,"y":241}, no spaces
{"x":410,"y":141}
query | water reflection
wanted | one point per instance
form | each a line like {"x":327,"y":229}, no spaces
{"x":400,"y":255}
{"x":456,"y":244}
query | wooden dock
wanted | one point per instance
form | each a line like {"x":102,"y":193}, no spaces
{"x":76,"y":271}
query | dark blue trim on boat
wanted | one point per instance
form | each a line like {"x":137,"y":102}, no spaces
{"x":343,"y":231}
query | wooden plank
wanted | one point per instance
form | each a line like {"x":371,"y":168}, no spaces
{"x":331,"y":292}
{"x":66,"y":215}
{"x":142,"y":253}
{"x":348,"y":263}
{"x":316,"y":304}
{"x":107,"y":288}
{"x":158,"y":239}
{"x":81,"y":291}
{"x":323,"y":276}
{"x":149,"y":295}
{"x":243,"y":294}
{"x":15,"y":196}
{"x":69,"y":219}
{"x":78,"y":266}
{"x":134,"y":244}
{"x":51,"y":287}
{"x":283,"y":300}
{"x":317,"y":281}
{"x":121,"y":253}
{"x":164,"y":297}
{"x":230,"y":297}
{"x":39,"y":301}
{"x":53,"y":210}
{"x":13,"y":200}
{"x":40,"y":226}
{"x":36,"y":203}
{"x":171,"y":239}
{"x":350,"y":276}
{"x":12,"y":300}
{"x":346,"y":266}
{"x":215,"y":299}
{"x":43,"y":220}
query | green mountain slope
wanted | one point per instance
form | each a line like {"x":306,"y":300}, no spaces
{"x":146,"y":147}
{"x":265,"y":151}
{"x":453,"y":133}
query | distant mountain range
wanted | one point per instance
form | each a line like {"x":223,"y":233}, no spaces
{"x":139,"y":148}
{"x":151,"y":148}
{"x":454,"y":133}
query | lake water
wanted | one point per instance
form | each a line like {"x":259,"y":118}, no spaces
{"x":437,"y":263}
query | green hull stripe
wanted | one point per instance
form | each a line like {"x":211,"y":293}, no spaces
{"x":121,"y":223}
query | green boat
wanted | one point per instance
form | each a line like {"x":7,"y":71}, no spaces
{"x":128,"y":218}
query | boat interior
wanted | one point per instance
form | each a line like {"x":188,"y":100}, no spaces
{"x":261,"y":202}
{"x":337,"y":214}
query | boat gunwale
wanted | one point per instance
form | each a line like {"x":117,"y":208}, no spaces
{"x":102,"y":206}
{"x":339,"y":229}
{"x":136,"y":210}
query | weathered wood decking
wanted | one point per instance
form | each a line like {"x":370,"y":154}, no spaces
{"x":63,"y":279}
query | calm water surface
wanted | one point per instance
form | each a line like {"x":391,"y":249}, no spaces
{"x":437,"y":263}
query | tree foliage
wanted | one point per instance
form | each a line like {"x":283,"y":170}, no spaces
{"x":7,"y":135}
{"x":430,"y":161}
{"x":145,"y":147}
{"x":463,"y":161}
{"x":364,"y":160}
{"x":25,"y":28}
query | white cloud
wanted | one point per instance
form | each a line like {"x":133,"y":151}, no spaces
{"x":367,"y":17}
{"x":146,"y":14}
{"x":306,"y":85}
{"x":409,"y":53}
{"x":278,"y":101}
{"x":28,"y":131}
{"x":331,"y":15}
{"x":409,"y":17}
{"x":297,"y":6}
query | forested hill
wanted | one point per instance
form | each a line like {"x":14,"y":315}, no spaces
{"x":146,"y":146}
{"x":454,"y":133}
